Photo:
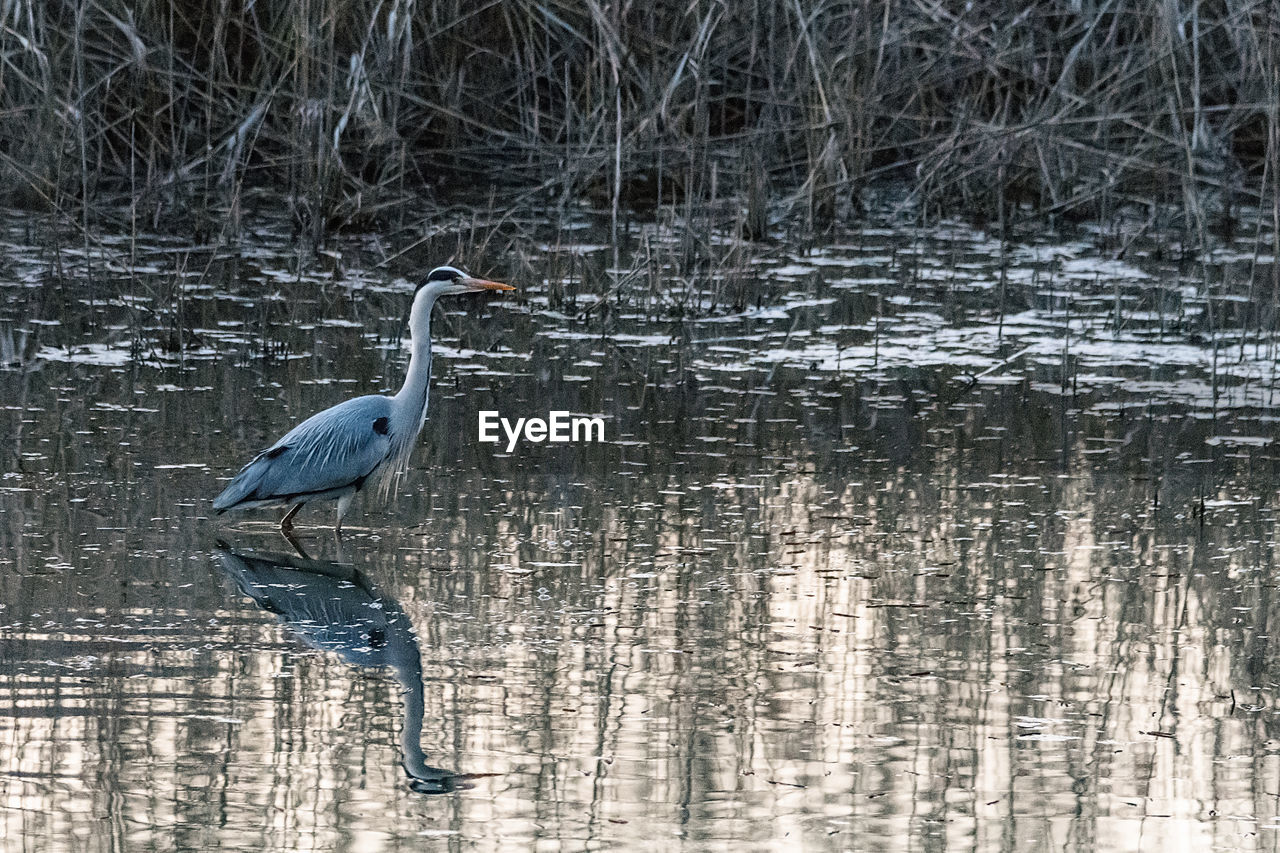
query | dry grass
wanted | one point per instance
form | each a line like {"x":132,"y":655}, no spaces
{"x":349,"y":111}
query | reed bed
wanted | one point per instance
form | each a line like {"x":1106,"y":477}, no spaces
{"x":352,"y":112}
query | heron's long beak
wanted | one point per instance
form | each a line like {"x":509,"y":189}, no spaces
{"x":484,"y":284}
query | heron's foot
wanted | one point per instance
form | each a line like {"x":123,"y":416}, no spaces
{"x":286,"y":530}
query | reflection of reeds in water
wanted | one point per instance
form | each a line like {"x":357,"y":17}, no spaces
{"x":351,"y":109}
{"x":954,"y":643}
{"x":771,"y":637}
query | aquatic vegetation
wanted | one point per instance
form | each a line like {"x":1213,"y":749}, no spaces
{"x":352,"y":110}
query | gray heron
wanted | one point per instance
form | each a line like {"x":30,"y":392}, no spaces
{"x":365,"y":442}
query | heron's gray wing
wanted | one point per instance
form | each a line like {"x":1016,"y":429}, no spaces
{"x":334,"y":449}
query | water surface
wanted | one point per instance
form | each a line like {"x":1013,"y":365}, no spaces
{"x":886,"y":561}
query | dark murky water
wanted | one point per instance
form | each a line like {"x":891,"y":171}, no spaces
{"x":820,"y":590}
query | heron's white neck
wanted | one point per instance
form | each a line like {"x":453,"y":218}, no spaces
{"x":413,"y":394}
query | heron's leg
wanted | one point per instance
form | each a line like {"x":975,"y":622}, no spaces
{"x":344,"y":504}
{"x":286,"y":523}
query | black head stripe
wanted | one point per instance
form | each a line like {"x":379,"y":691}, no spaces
{"x":441,"y":274}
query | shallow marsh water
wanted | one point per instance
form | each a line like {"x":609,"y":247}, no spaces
{"x":862,"y":565}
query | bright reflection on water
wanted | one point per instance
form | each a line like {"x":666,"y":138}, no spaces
{"x":786,"y":606}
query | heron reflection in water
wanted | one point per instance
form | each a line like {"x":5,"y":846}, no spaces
{"x":336,"y":608}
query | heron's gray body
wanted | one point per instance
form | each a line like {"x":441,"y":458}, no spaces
{"x":331,"y":455}
{"x":352,"y":446}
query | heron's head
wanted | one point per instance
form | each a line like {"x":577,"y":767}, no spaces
{"x":445,"y":281}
